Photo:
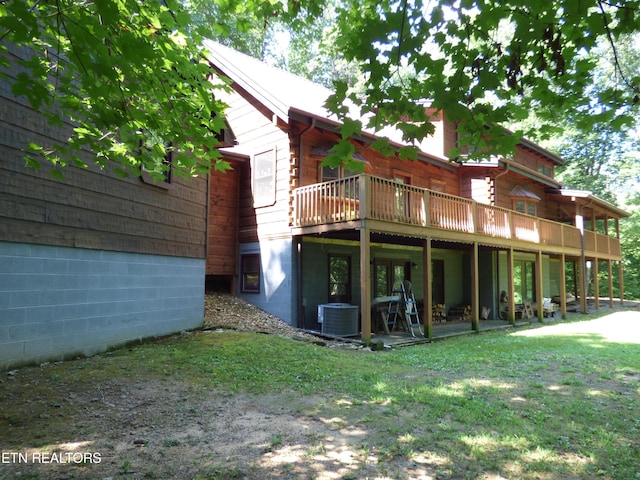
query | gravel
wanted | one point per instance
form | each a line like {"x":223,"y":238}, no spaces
{"x":225,"y":311}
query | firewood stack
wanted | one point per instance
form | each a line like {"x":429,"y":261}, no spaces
{"x":460,"y":313}
{"x":439,"y":313}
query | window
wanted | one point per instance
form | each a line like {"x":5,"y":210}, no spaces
{"x":264,"y":179}
{"x":438,"y":186}
{"x":525,"y":206}
{"x":387,"y":272}
{"x":524,"y":281}
{"x":160,"y":174}
{"x":250,"y":273}
{"x":335,"y":173}
{"x":524,"y":201}
{"x":403,"y":208}
{"x":339,"y":279}
{"x":347,"y":190}
{"x":544,"y":169}
{"x":437,"y":281}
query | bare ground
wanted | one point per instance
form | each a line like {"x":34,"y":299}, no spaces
{"x":136,"y":428}
{"x":133,"y":429}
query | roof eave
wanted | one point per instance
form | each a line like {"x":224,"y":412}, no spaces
{"x":367,"y":137}
{"x":590,"y":198}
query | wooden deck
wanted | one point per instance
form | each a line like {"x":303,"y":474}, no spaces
{"x":396,"y":208}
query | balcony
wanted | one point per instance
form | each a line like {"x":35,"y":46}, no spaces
{"x":405,"y":209}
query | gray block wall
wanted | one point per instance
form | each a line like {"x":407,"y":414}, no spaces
{"x":277,"y":294}
{"x":57,"y":302}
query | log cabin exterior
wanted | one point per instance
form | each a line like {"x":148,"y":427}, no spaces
{"x":463,"y":233}
{"x":93,"y":260}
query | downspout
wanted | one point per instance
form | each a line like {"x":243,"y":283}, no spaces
{"x":504,"y":172}
{"x":298,"y":242}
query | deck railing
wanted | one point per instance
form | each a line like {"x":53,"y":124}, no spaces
{"x":364,"y":196}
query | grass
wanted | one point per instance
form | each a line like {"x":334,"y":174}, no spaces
{"x":481,"y":406}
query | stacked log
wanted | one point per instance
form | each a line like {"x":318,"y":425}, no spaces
{"x":439,"y":313}
{"x":460,"y":313}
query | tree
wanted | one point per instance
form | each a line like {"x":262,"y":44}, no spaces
{"x":130,"y":76}
{"x":486,"y":64}
{"x":127,"y":74}
{"x":605,"y":159}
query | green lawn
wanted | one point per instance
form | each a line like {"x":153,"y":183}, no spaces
{"x":556,"y":402}
{"x":553,"y":402}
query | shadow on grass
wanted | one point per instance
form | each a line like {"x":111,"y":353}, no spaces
{"x":551,"y":402}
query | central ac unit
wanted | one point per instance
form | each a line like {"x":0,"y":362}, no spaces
{"x":338,"y":319}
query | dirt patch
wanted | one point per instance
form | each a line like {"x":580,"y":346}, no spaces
{"x":134,"y":429}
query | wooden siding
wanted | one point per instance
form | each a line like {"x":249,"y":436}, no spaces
{"x":532,"y":160}
{"x":90,"y":208}
{"x":257,"y":132}
{"x":506,"y":183}
{"x":224,"y":208}
{"x":420,"y":173}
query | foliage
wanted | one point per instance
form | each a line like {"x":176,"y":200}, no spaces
{"x":630,"y":238}
{"x":604,"y":159}
{"x":485,"y":64}
{"x":556,"y":402}
{"x":127,"y":74}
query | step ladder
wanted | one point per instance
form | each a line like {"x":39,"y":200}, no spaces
{"x":403,"y":305}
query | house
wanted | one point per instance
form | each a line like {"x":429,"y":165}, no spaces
{"x":486,"y":238}
{"x":93,"y":260}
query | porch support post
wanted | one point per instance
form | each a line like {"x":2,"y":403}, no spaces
{"x":596,"y":287}
{"x":427,"y":289}
{"x":610,"y":274}
{"x":583,"y":262}
{"x":620,"y":282}
{"x":563,"y":287}
{"x":475,"y":296}
{"x":511,"y":314}
{"x":582,"y":277}
{"x":365,"y":280}
{"x":539,"y":286}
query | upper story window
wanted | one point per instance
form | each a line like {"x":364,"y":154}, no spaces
{"x":545,"y":169}
{"x":334,"y":173}
{"x":263,"y":172}
{"x":438,"y":186}
{"x":525,"y":206}
{"x":524,"y":201}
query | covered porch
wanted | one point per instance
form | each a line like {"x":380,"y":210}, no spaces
{"x":368,"y":211}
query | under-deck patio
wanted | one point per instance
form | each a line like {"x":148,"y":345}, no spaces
{"x":365,"y":206}
{"x":444,"y":330}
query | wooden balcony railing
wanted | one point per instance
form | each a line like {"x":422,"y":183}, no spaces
{"x":367,"y":197}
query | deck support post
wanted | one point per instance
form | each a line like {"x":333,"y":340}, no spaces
{"x":511,"y":310}
{"x":428,"y":289}
{"x":563,"y":287}
{"x":610,"y":272}
{"x":475,"y":296}
{"x":596,"y":287}
{"x":583,"y":262}
{"x":582,"y":277}
{"x":539,"y":287}
{"x":620,"y":282}
{"x":365,"y":280}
